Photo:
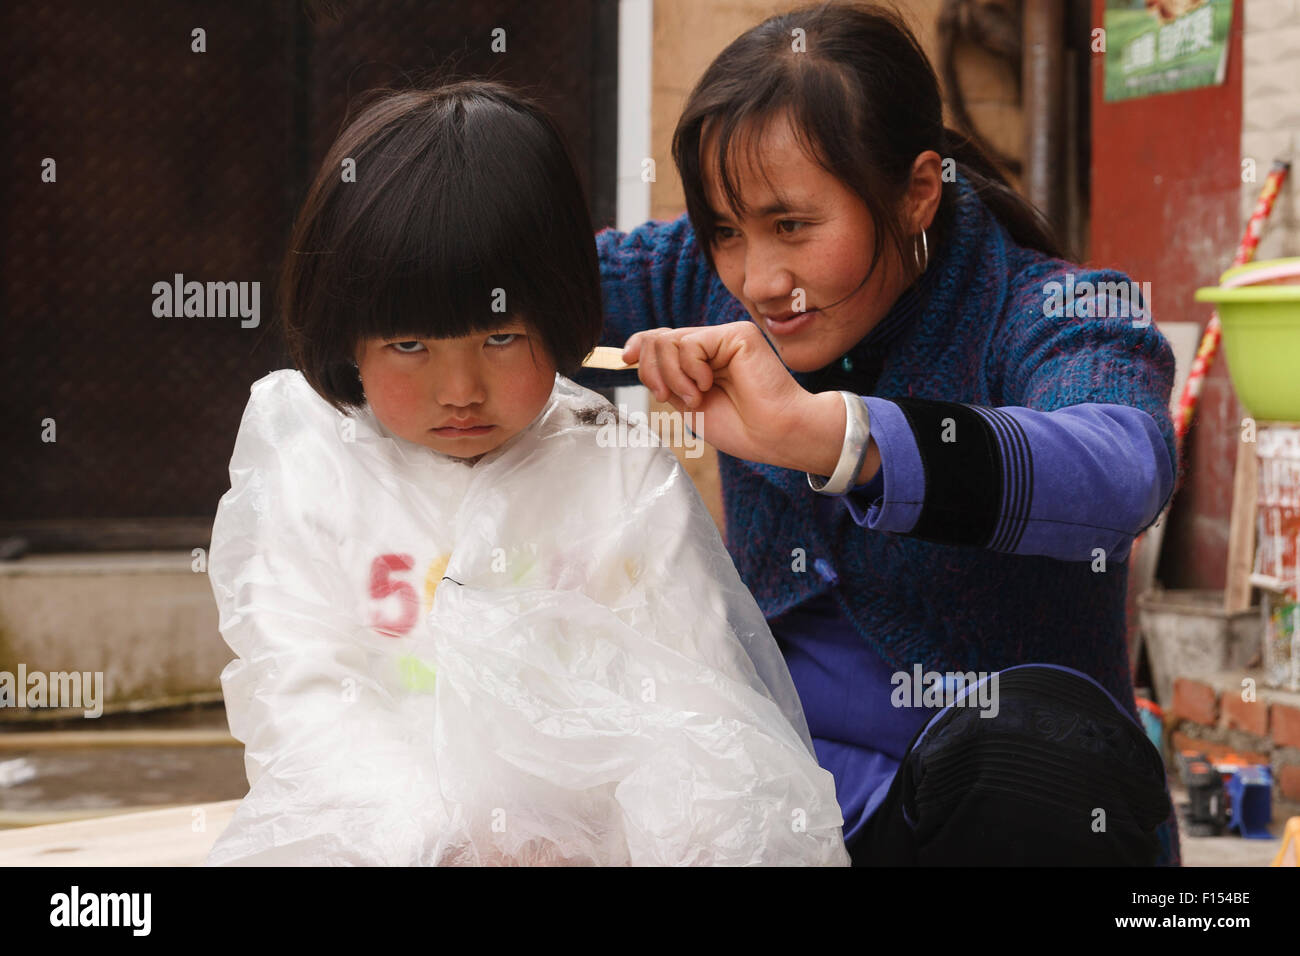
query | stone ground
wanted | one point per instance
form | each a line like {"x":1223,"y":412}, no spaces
{"x":62,"y":782}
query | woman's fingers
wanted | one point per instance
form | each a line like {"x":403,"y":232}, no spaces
{"x":647,"y":364}
{"x":632,"y":349}
{"x":641,"y":349}
{"x":674,"y":375}
{"x":694,"y":358}
{"x":663,"y":368}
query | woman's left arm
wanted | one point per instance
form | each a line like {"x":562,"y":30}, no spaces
{"x":1079,"y":460}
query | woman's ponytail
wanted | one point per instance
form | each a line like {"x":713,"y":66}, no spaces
{"x":1028,"y":226}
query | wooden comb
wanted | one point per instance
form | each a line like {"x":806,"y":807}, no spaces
{"x":607,"y":357}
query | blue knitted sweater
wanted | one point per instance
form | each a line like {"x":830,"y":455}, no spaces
{"x":979,"y":336}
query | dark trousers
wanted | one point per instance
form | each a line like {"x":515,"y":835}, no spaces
{"x":1061,"y":776}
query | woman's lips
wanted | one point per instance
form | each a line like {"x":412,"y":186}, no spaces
{"x":791,"y":325}
{"x":462,"y":432}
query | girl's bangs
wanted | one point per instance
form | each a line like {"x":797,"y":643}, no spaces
{"x":445,"y":256}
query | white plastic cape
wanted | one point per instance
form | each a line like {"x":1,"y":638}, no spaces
{"x":544,"y":658}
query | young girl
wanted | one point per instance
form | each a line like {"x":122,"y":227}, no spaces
{"x":466,"y":632}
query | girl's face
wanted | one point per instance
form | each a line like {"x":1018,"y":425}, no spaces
{"x":803,"y":247}
{"x":431,"y":391}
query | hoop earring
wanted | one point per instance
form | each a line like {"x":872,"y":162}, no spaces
{"x":924,"y":248}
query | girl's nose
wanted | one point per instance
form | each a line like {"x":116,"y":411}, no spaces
{"x":459,"y":389}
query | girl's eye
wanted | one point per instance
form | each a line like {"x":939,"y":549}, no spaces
{"x":724,"y":233}
{"x":789,"y":222}
{"x":399,"y":347}
{"x":503,"y":335}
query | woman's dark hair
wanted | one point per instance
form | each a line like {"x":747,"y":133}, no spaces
{"x":864,"y":103}
{"x":463,"y":195}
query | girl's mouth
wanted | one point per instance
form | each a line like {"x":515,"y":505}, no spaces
{"x":462,"y":432}
{"x":790,"y":324}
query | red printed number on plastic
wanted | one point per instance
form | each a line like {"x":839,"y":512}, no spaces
{"x":383,"y":586}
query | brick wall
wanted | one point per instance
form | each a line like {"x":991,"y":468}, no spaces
{"x":1235,"y":713}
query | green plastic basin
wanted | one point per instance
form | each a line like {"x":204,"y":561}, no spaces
{"x":1261,"y":341}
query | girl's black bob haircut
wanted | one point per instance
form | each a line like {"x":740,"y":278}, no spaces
{"x":465,"y":213}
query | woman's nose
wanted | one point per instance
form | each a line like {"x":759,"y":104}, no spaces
{"x":766,"y":277}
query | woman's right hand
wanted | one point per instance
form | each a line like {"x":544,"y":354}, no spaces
{"x":746,"y":402}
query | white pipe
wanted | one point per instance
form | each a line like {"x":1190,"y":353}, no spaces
{"x":635,"y":40}
{"x":635,"y":46}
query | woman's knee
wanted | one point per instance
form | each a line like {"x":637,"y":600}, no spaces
{"x":1056,"y":774}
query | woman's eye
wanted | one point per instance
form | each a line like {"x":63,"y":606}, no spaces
{"x":724,"y":233}
{"x":400,"y":347}
{"x":503,"y":335}
{"x":789,"y":222}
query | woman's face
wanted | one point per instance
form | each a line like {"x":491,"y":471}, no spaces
{"x":422,"y":389}
{"x":803,"y":247}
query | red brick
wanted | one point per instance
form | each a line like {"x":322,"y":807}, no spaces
{"x":1248,"y":715}
{"x":1196,"y":701}
{"x":1288,"y":779}
{"x":1214,"y":750}
{"x":1286,"y":725}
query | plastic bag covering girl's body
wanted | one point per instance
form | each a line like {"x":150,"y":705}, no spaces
{"x":545,"y":658}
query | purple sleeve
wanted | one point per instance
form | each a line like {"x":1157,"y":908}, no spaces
{"x":900,"y":470}
{"x":1060,"y":484}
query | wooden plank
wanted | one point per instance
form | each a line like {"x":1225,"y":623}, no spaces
{"x":1241,"y":530}
{"x":174,"y":836}
{"x":65,"y":739}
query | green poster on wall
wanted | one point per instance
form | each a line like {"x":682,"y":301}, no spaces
{"x":1160,"y":46}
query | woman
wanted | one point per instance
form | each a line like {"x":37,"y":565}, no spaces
{"x":937,"y":442}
